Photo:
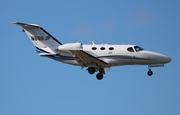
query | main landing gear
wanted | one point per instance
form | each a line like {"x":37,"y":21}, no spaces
{"x":99,"y":75}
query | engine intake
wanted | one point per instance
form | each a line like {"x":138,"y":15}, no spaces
{"x":70,"y":46}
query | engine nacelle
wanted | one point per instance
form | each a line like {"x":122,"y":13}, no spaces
{"x":70,"y":46}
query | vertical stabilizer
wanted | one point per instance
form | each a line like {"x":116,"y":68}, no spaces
{"x":41,"y":39}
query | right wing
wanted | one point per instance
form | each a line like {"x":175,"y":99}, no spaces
{"x":86,"y":59}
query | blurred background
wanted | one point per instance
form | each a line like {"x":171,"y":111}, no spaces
{"x":31,"y":85}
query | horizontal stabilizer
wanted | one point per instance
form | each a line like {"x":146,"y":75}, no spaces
{"x":26,"y":25}
{"x":45,"y":54}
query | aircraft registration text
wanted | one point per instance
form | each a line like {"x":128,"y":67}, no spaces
{"x":40,"y":38}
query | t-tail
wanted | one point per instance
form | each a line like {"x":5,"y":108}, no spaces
{"x":42,"y":40}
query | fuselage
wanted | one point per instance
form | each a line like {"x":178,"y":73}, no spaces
{"x":116,"y":55}
{"x":94,"y":57}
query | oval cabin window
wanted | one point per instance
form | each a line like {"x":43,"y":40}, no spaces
{"x":111,"y":48}
{"x":94,"y":48}
{"x":102,"y":48}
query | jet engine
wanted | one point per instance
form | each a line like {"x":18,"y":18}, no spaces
{"x":70,"y":46}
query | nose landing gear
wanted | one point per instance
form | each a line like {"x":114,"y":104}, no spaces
{"x":150,"y":73}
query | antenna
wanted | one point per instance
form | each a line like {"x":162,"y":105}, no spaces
{"x":93,"y":43}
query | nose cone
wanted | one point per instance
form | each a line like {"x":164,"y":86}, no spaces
{"x":163,"y":58}
{"x":167,"y":59}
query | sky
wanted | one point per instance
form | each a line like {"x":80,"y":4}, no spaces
{"x":32,"y":85}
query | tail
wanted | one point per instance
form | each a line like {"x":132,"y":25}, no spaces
{"x":41,"y":39}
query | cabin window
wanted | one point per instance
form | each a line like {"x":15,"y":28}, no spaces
{"x":137,"y":48}
{"x":102,"y":48}
{"x":111,"y":48}
{"x":130,"y":49}
{"x":94,"y":48}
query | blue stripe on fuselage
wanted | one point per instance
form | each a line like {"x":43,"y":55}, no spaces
{"x":60,"y":57}
{"x":123,"y":57}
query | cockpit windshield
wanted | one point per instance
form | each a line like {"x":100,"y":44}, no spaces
{"x":137,"y":48}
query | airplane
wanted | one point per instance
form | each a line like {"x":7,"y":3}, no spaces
{"x":96,"y":58}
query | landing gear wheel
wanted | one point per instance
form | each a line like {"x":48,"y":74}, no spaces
{"x":150,"y":73}
{"x":91,"y":70}
{"x":99,"y":76}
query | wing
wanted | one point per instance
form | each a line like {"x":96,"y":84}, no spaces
{"x":86,"y":59}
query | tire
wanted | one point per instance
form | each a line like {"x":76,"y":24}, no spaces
{"x":99,"y":76}
{"x":150,"y":73}
{"x":91,"y":70}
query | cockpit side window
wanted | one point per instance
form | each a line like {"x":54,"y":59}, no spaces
{"x":130,"y":49}
{"x":137,"y":48}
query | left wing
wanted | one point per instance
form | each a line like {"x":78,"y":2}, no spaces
{"x":86,"y":59}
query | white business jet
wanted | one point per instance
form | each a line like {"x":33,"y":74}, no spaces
{"x":96,"y":58}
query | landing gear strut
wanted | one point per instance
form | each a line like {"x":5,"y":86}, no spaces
{"x":150,"y":73}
